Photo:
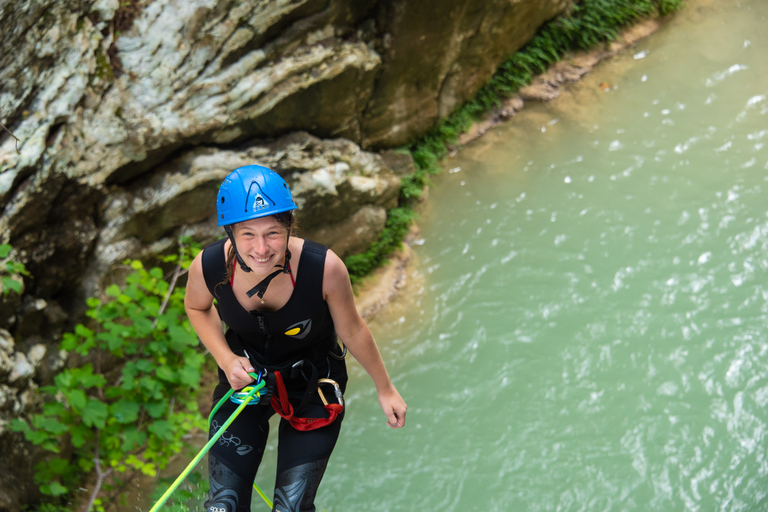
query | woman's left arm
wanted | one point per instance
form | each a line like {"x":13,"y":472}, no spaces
{"x":354,"y":333}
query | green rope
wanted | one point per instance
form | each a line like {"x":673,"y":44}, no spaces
{"x":244,"y":399}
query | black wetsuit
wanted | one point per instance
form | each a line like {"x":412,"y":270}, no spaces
{"x":300,"y":330}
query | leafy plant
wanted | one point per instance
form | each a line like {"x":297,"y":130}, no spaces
{"x":398,"y":221}
{"x":11,"y":272}
{"x":130,"y":417}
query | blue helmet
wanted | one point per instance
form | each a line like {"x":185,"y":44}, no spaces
{"x":251,"y":192}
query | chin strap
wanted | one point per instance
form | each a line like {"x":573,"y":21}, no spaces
{"x":240,"y":260}
{"x":261,"y":288}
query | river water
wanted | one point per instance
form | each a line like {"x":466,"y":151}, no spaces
{"x":584,"y":326}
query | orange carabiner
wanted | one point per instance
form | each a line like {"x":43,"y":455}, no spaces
{"x":336,"y":391}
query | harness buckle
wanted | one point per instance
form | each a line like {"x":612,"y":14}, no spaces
{"x":297,"y":369}
{"x":343,"y":351}
{"x":336,"y":391}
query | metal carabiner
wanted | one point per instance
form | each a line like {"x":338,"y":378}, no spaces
{"x":336,"y":391}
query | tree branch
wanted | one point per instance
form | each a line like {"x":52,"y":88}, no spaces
{"x":176,"y":273}
{"x":100,"y":476}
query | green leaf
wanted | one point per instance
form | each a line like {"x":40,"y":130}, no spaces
{"x":151,"y":386}
{"x":125,"y":411}
{"x":19,"y":425}
{"x":83,"y":331}
{"x":69,"y":342}
{"x":133,"y":438}
{"x":58,"y":465}
{"x":144,"y":365}
{"x":79,"y":435}
{"x":10,"y":284}
{"x":76,"y":398}
{"x":53,"y":408}
{"x":53,"y":426}
{"x":53,"y":489}
{"x":129,"y":377}
{"x":5,"y":250}
{"x":156,"y":409}
{"x":86,"y":379}
{"x":63,"y":380}
{"x":113,"y":340}
{"x":166,"y":374}
{"x":143,"y":326}
{"x":162,"y":429}
{"x":113,"y":291}
{"x":180,"y":339}
{"x":86,"y":464}
{"x":95,"y":413}
{"x":40,"y":438}
{"x":189,"y":376}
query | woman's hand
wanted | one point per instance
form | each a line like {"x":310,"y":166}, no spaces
{"x":237,"y":372}
{"x":394,"y":407}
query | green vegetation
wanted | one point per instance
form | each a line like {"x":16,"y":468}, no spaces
{"x":11,"y":272}
{"x":398,"y":222}
{"x":128,"y":406}
{"x":589,"y":24}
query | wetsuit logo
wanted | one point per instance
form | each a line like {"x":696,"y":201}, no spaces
{"x":242,"y":450}
{"x":299,"y":330}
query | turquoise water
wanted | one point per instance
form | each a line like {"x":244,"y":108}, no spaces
{"x":584,"y":325}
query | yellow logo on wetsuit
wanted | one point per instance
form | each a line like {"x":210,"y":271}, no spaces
{"x":299,"y":330}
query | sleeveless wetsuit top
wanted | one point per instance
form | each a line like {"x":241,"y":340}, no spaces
{"x":301,"y":329}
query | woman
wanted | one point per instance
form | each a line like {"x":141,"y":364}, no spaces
{"x":284,"y":301}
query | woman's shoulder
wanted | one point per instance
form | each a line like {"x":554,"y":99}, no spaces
{"x":216,"y":243}
{"x":312,"y":246}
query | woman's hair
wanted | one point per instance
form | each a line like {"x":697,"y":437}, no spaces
{"x":285,"y":219}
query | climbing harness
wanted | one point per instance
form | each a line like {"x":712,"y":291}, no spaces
{"x":283,"y":407}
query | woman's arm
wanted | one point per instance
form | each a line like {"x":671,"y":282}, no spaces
{"x":354,"y":333}
{"x":198,"y":303}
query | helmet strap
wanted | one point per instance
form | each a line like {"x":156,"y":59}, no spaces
{"x":261,"y":288}
{"x":240,"y":260}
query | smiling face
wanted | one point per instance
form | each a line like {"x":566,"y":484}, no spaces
{"x":261,"y":243}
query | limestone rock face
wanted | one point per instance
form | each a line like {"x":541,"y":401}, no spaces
{"x":121,"y":117}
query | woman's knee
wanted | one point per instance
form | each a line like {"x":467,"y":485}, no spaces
{"x":228,"y":492}
{"x":296,"y":487}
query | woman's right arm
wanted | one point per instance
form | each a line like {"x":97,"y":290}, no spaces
{"x":198,"y":303}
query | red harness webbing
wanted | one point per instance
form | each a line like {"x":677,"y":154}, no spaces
{"x":283,"y":407}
